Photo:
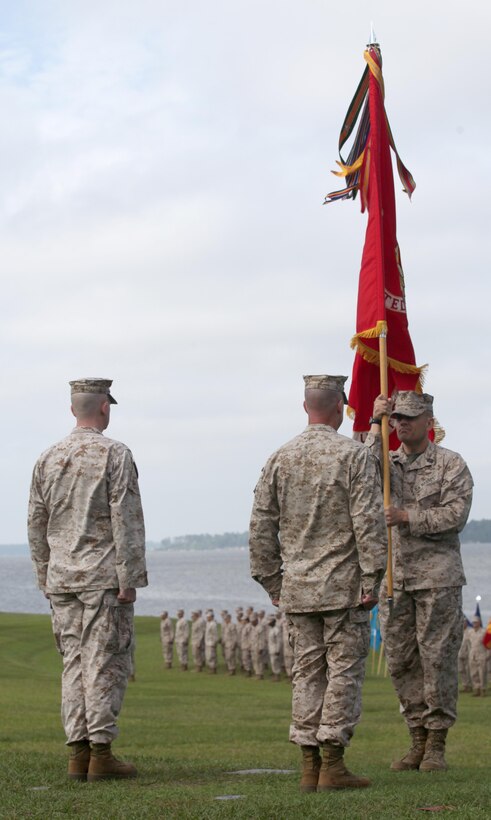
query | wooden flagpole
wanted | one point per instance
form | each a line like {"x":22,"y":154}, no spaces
{"x":384,"y":389}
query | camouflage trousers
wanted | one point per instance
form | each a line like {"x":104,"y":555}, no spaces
{"x":168,"y":651}
{"x":478,"y":668}
{"x":257,"y":661}
{"x":422,"y":639}
{"x":94,"y":634}
{"x":275,"y":659}
{"x":182,"y":652}
{"x":330,"y":650}
{"x":229,"y":655}
{"x":211,"y":655}
{"x":246,"y":659}
{"x":198,"y":650}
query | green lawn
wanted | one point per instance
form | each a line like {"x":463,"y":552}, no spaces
{"x":187,"y":733}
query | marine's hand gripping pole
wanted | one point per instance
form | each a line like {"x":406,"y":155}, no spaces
{"x":384,"y":389}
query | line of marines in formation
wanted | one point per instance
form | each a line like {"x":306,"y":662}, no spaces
{"x":474,"y":659}
{"x":251,"y":644}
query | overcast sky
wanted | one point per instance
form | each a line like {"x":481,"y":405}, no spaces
{"x":162,"y":170}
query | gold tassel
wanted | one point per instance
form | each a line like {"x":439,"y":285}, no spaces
{"x":371,"y":333}
{"x":349,"y":169}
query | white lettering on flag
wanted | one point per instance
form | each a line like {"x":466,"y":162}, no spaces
{"x":395,"y":303}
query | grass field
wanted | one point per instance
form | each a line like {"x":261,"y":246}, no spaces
{"x":188,"y":733}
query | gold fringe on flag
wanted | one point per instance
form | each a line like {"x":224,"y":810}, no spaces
{"x":371,"y":333}
{"x":373,"y":357}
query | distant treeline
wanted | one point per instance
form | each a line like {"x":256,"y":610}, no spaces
{"x":474,"y":531}
{"x":477,"y":531}
{"x":205,"y":541}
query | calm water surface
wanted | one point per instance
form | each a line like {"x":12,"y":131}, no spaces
{"x":200,"y":579}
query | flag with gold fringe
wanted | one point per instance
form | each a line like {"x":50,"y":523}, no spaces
{"x":381,"y":292}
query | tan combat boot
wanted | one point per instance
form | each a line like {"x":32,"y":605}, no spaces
{"x":434,"y":758}
{"x":310,"y":770}
{"x":414,"y":756}
{"x":334,"y":774}
{"x":104,"y":766}
{"x":78,"y":762}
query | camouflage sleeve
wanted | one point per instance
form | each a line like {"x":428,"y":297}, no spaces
{"x":374,"y":444}
{"x":368,"y":520}
{"x":37,"y":529}
{"x":264,"y":544}
{"x":127,"y":520}
{"x":449,"y":504}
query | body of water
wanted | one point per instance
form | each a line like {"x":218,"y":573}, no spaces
{"x":195,"y":579}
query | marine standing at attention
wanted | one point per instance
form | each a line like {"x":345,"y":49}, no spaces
{"x":167,"y":638}
{"x":198,"y":629}
{"x":318,"y":544}
{"x":229,"y":643}
{"x":87,"y":541}
{"x":478,"y":657}
{"x":211,"y":641}
{"x":181,"y":637}
{"x":431,"y":490}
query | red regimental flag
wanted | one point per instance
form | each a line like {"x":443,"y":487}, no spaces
{"x":381,"y":293}
{"x":487,"y":636}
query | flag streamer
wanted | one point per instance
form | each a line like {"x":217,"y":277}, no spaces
{"x":351,"y":168}
{"x":381,"y":308}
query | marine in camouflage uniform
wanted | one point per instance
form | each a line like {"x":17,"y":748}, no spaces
{"x":211,"y":641}
{"x":478,"y":657}
{"x":239,"y":626}
{"x":318,"y":544}
{"x":229,"y":643}
{"x":181,"y":637}
{"x":431,"y":495}
{"x":87,"y":541}
{"x":256,"y":644}
{"x":198,"y":628}
{"x":167,"y":639}
{"x":263,"y":639}
{"x":245,"y":646}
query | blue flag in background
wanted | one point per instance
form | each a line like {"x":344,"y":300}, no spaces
{"x":375,"y":636}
